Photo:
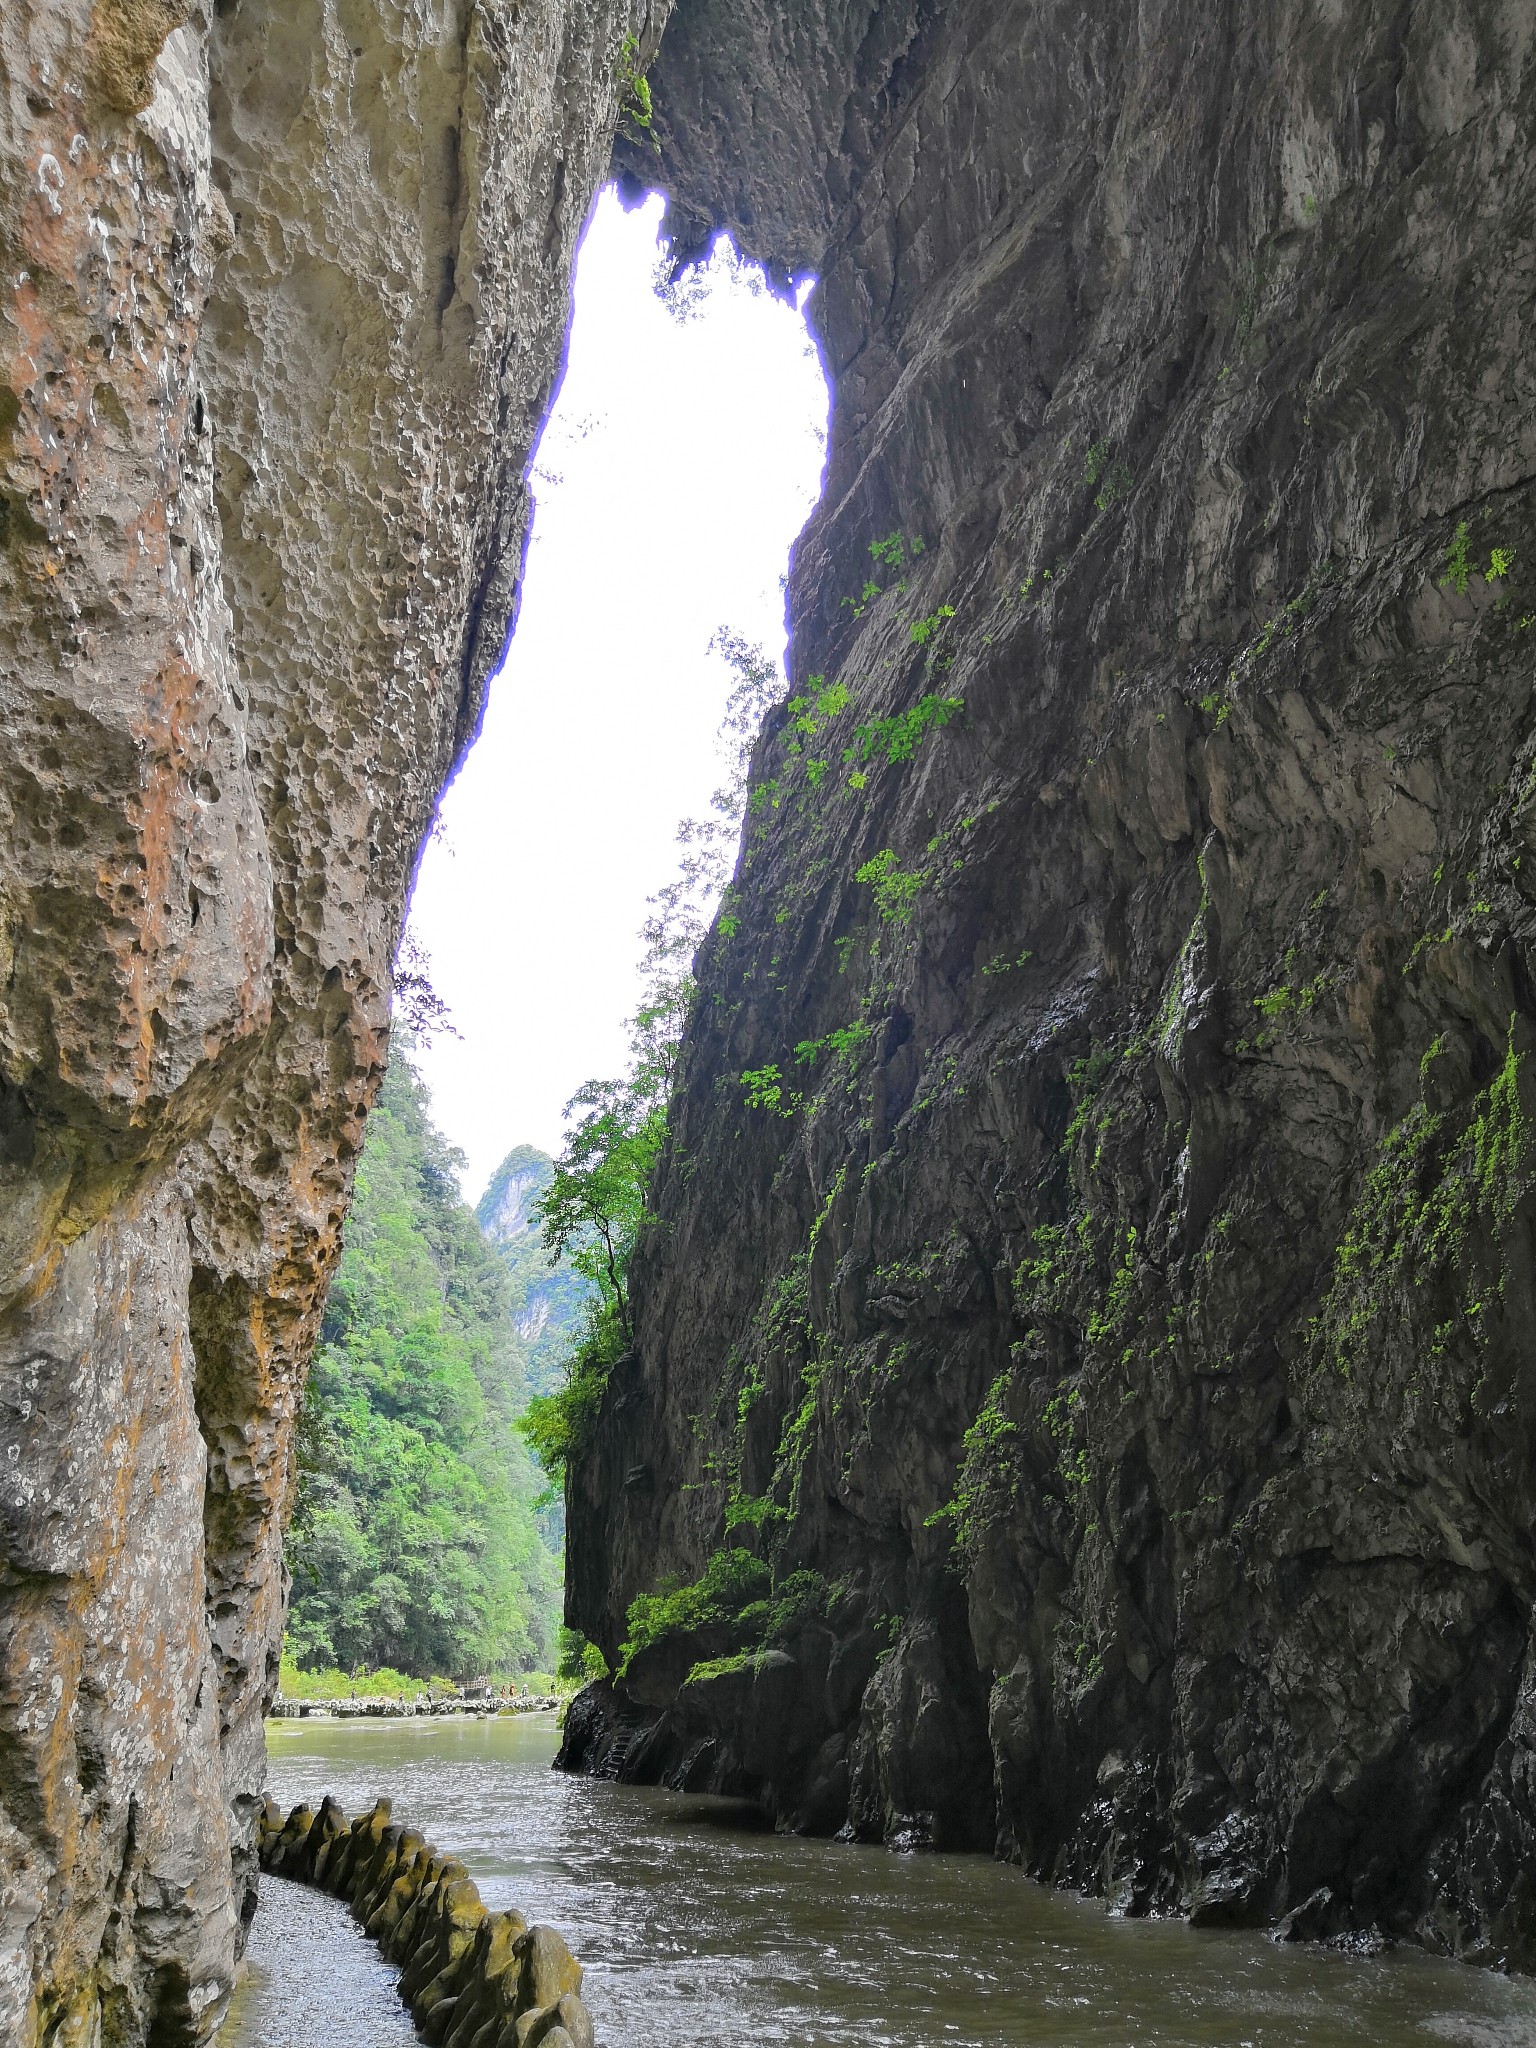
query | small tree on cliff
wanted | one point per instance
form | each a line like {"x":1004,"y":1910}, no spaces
{"x":595,"y":1206}
{"x":592,"y":1215}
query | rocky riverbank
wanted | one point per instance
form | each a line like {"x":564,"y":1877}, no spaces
{"x":389,"y":1709}
{"x":468,"y":1975}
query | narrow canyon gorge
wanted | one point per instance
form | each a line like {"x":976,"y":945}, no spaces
{"x":1083,"y":1387}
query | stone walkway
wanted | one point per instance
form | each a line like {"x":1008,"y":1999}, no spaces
{"x":312,"y":1979}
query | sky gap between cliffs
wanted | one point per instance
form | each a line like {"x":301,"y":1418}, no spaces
{"x":681,"y":457}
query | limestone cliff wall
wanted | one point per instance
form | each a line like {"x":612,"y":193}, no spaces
{"x":282,"y":295}
{"x":1129,"y":1317}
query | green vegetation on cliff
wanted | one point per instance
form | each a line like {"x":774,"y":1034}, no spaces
{"x":416,"y":1542}
{"x":736,"y":1593}
{"x":593,"y":1209}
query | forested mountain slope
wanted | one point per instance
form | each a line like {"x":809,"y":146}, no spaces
{"x":416,"y":1543}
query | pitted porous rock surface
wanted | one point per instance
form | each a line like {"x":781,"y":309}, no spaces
{"x":1125,"y":1323}
{"x":282,"y":295}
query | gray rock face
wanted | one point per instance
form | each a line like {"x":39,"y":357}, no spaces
{"x":506,"y":1211}
{"x":283,"y":296}
{"x":1130,"y":1315}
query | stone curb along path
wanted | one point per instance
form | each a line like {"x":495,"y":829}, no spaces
{"x":472,"y":1978}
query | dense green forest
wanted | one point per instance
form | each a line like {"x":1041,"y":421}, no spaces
{"x":419,"y":1539}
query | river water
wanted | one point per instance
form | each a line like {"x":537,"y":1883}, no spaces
{"x":697,"y":1930}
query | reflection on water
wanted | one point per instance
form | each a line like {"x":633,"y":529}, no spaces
{"x":695,"y":1928}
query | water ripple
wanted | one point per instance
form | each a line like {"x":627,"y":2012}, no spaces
{"x":693,"y":1927}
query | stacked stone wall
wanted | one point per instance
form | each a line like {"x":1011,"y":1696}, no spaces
{"x":472,"y":1978}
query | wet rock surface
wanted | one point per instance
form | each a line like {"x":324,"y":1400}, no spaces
{"x":1113,"y":1281}
{"x":283,"y":297}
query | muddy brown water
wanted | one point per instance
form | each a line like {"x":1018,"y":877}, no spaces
{"x":696,"y":1929}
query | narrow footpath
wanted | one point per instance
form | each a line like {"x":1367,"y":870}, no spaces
{"x":313,"y":1979}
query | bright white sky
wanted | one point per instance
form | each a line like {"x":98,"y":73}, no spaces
{"x":679,"y":463}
